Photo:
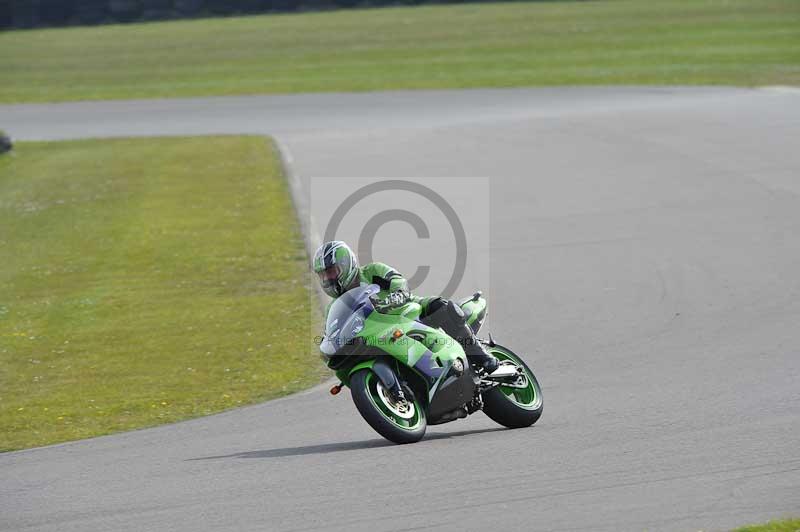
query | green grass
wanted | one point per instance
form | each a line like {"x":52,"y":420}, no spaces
{"x":146,"y":281}
{"x":732,"y":42}
{"x":788,"y":525}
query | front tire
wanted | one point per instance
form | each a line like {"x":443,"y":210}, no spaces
{"x":377,"y":408}
{"x":513,"y":407}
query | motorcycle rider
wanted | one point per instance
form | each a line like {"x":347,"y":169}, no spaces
{"x":338,"y":270}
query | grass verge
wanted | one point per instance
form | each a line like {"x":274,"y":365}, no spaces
{"x":664,"y":42}
{"x":146,"y":281}
{"x":787,"y":525}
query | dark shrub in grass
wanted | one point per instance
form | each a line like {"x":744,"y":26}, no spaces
{"x":5,"y":142}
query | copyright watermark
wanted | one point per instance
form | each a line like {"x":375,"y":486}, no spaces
{"x":434,"y":231}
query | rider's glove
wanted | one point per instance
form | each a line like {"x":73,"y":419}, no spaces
{"x":395,"y":299}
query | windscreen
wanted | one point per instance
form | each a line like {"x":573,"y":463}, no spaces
{"x":347,"y":314}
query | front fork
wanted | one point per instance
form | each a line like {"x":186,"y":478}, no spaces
{"x":387,"y":377}
{"x":391,"y":382}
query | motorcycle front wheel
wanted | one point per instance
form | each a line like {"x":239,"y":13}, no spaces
{"x":398,"y":423}
{"x":509,"y":406}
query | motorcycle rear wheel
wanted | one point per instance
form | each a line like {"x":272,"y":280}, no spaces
{"x":513,"y":407}
{"x":389,"y":419}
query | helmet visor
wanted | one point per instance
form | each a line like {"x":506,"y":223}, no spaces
{"x":330,"y":274}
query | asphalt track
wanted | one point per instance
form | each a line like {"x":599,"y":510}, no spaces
{"x":644,"y":255}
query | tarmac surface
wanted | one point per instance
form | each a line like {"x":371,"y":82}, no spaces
{"x":643,"y":255}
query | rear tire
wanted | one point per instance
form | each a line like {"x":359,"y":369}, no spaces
{"x":370,"y":399}
{"x":513,"y":407}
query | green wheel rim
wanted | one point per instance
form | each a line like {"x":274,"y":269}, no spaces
{"x":529,"y":398}
{"x":380,"y":405}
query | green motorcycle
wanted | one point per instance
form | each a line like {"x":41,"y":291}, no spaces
{"x":405,"y":375}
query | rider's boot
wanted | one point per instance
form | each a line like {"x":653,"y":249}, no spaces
{"x":478,"y":357}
